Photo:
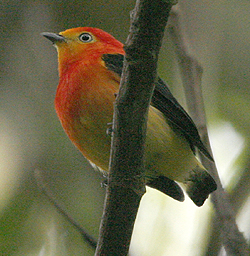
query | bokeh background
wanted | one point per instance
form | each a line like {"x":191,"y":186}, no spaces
{"x":31,"y":137}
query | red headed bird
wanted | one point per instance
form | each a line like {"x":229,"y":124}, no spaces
{"x":90,"y":65}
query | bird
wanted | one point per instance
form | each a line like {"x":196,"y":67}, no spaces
{"x":90,"y":63}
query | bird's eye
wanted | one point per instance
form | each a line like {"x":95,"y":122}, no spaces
{"x":86,"y":37}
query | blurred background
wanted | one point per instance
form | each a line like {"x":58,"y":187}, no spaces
{"x":31,"y":137}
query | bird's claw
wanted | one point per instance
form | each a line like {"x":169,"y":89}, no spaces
{"x":109,"y":130}
{"x":104,"y":183}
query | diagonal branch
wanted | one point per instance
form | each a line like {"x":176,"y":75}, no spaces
{"x":241,"y":191}
{"x":44,"y":188}
{"x":191,"y":72}
{"x":126,"y":183}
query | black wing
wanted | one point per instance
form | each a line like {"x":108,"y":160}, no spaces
{"x":179,"y":119}
{"x":164,"y":101}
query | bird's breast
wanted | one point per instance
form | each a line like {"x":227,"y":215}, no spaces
{"x":84,"y":104}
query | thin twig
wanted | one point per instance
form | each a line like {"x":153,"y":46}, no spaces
{"x":241,"y":190}
{"x":191,"y":73}
{"x":46,"y":191}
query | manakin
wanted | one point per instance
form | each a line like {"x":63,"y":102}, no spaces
{"x":90,"y":64}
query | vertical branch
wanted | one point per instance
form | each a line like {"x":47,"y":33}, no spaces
{"x":191,"y":73}
{"x":126,"y":183}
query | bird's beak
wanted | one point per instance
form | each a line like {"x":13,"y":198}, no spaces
{"x":54,"y":38}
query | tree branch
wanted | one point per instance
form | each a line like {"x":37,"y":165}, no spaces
{"x":191,"y":72}
{"x":126,"y":183}
{"x":241,"y":191}
{"x":237,"y":197}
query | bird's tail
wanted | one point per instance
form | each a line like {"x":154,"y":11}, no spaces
{"x":199,"y":184}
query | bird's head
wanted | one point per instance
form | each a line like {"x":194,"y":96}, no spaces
{"x":83,"y":43}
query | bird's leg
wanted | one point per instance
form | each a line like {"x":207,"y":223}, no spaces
{"x":104,"y":183}
{"x":109,"y":130}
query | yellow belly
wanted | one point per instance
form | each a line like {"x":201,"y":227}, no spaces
{"x":165,"y":153}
